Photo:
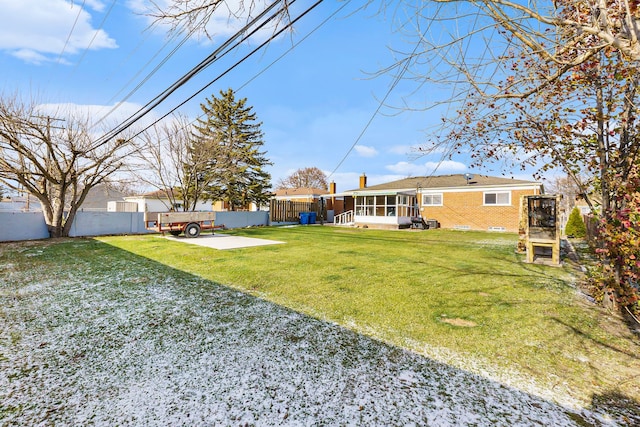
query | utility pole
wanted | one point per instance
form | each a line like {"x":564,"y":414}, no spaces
{"x":49,"y":144}
{"x":50,"y":119}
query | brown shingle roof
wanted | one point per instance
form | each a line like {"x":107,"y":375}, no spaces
{"x":445,"y":181}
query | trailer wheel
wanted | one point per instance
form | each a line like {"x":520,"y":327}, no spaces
{"x":175,"y":232}
{"x":192,"y":230}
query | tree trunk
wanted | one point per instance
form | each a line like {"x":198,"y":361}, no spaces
{"x":55,"y":222}
{"x":71,"y":216}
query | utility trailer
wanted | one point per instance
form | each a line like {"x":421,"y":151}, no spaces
{"x":176,"y":223}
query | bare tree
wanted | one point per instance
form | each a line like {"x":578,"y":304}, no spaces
{"x":567,"y":187}
{"x":54,"y":159}
{"x":473,"y":38}
{"x":305,"y":178}
{"x":546,"y":86}
{"x":166,"y":160}
{"x":195,"y":16}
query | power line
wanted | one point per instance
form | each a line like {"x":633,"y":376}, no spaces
{"x":194,"y":71}
{"x":393,"y":85}
{"x":73,"y":27}
{"x":450,"y":149}
{"x":294,"y":45}
{"x":263,"y":70}
{"x":95,"y":34}
{"x":147,"y":77}
{"x":152,"y":72}
{"x":273,"y":36}
{"x":397,"y":79}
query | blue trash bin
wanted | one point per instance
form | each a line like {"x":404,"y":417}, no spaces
{"x":304,"y":218}
{"x":312,"y":217}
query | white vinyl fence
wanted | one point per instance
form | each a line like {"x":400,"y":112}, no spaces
{"x":22,"y":226}
{"x":16,"y":226}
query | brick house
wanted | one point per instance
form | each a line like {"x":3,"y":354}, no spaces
{"x":461,"y":201}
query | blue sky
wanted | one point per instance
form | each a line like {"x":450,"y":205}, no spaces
{"x":315,"y":102}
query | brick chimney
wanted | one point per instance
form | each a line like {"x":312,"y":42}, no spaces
{"x":363,"y":181}
{"x":332,"y":187}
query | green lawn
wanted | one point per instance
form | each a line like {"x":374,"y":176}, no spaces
{"x":465,"y":298}
{"x":462,"y":298}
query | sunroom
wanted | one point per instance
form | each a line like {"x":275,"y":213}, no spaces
{"x":386,"y":208}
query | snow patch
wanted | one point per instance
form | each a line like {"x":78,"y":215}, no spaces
{"x":155,"y":350}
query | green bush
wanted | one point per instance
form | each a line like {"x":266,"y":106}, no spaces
{"x":575,"y":226}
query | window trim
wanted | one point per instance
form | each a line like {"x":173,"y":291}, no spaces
{"x":395,"y":205}
{"x":432,"y":194}
{"x":496,"y":192}
{"x":381,"y":205}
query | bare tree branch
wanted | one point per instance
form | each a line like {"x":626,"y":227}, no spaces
{"x":51,"y":158}
{"x":198,"y":16}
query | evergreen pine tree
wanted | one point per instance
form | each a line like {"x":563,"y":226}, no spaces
{"x":575,"y":225}
{"x":231,"y":135}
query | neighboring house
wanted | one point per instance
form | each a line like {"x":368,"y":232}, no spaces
{"x":157,"y":201}
{"x":461,"y":201}
{"x":222,"y":206}
{"x":300,"y":194}
{"x":584,"y":207}
{"x":96,"y":200}
{"x":26,"y":203}
{"x":99,"y":197}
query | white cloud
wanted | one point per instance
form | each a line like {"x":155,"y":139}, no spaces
{"x":446,"y":166}
{"x":35,"y":31}
{"x":428,"y":168}
{"x":382,"y":179}
{"x":345,"y":180}
{"x":406,"y":168}
{"x":96,"y":5}
{"x":30,"y":56}
{"x":364,"y":151}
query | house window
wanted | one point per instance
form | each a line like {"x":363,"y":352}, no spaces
{"x":381,"y":205}
{"x":406,"y":206}
{"x":390,"y":205}
{"x":497,"y":198}
{"x":432,"y":200}
{"x":365,"y":205}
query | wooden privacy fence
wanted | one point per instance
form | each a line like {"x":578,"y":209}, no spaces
{"x":288,"y":211}
{"x":591,"y":224}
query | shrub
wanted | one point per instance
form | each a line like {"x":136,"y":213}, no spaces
{"x":575,"y":225}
